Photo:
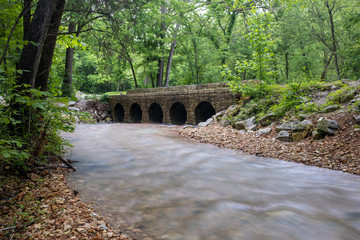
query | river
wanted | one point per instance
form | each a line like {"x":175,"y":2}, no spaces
{"x":151,"y":183}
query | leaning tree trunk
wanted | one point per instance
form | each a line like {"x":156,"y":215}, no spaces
{"x":322,"y":77}
{"x":31,"y":53}
{"x":133,"y":73}
{"x":168,"y":66}
{"x":49,"y":47}
{"x":67,"y":88}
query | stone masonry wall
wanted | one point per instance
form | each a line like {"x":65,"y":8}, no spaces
{"x":218,"y":95}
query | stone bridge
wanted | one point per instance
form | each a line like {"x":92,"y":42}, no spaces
{"x":176,"y":105}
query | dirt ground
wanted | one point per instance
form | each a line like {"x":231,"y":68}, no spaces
{"x":340,"y":152}
{"x":47,"y":208}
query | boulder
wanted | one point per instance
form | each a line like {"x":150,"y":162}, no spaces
{"x":247,"y":124}
{"x":232,"y":110}
{"x":224,"y":122}
{"x":327,"y":126}
{"x":301,"y":130}
{"x":206,"y":123}
{"x":268,"y":119}
{"x":263,"y":131}
{"x":302,"y":117}
{"x":304,"y":125}
{"x":283,"y":136}
{"x":317,"y":134}
{"x":74,"y":109}
{"x":287,"y":126}
{"x":357,"y":119}
{"x":219,"y":114}
{"x":72,"y":103}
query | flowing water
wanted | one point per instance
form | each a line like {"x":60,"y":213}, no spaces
{"x":153,"y":184}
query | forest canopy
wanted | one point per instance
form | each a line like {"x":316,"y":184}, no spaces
{"x":118,"y":45}
{"x":50,"y":49}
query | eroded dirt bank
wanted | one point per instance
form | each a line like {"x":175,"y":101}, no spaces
{"x":340,"y":152}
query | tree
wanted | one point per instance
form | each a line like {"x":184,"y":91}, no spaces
{"x":31,"y":53}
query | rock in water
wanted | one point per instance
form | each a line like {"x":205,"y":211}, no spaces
{"x":327,"y":126}
{"x":283,"y":136}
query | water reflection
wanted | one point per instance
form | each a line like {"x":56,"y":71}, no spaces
{"x":153,"y":184}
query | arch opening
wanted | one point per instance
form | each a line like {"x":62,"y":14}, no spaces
{"x":119,"y":113}
{"x":155,"y":113}
{"x":178,"y":114}
{"x":135,"y":113}
{"x":203,"y":111}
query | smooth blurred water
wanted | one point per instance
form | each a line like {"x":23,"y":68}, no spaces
{"x":153,"y":184}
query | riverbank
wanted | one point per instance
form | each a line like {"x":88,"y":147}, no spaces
{"x":45,"y":207}
{"x":339,"y":152}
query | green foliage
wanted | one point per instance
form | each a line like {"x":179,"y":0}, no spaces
{"x":289,"y":100}
{"x":254,"y":107}
{"x":355,"y":106}
{"x":307,"y":108}
{"x":31,"y":124}
{"x":104,"y":98}
{"x":344,"y":94}
{"x":254,"y":90}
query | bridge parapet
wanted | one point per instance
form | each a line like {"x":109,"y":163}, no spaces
{"x":189,"y":104}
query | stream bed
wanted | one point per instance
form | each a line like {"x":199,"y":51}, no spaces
{"x":151,"y":183}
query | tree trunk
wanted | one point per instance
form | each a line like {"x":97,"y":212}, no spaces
{"x":27,"y":18}
{"x":160,"y":75}
{"x":287,"y":65}
{"x":30,"y":55}
{"x":49,"y":47}
{"x":133,"y":72}
{"x":69,"y":62}
{"x":152,"y":80}
{"x":171,"y":54}
{"x":333,"y":39}
{"x":322,"y":77}
{"x":168,"y":67}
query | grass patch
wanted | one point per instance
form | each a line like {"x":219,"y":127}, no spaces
{"x":116,"y":93}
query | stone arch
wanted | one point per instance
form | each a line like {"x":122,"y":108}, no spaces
{"x":155,"y":113}
{"x":178,"y":113}
{"x":203,"y":111}
{"x":135,"y":113}
{"x":119,"y":113}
